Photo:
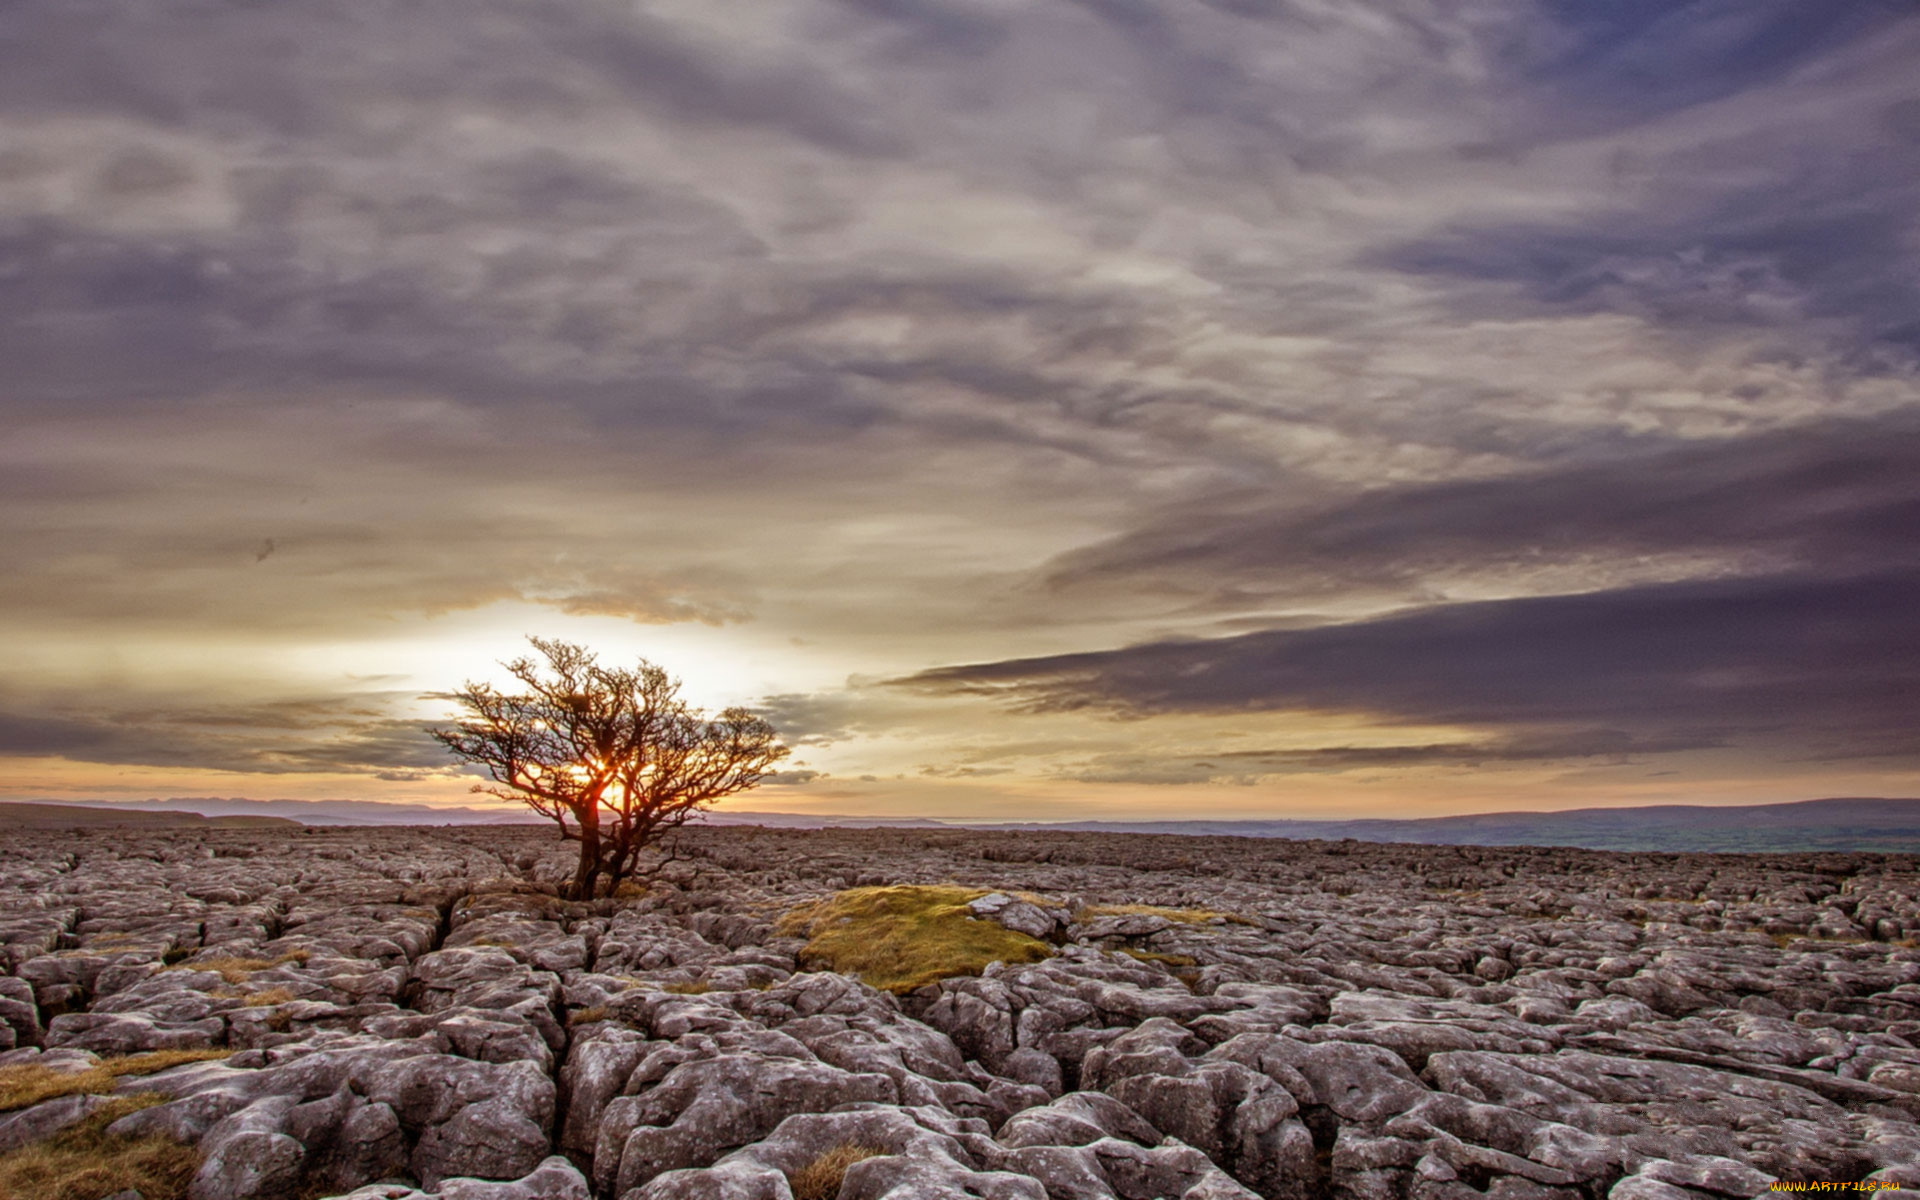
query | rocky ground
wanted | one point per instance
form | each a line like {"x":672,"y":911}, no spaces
{"x":409,"y":1013}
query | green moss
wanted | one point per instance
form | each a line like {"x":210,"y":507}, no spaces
{"x":901,"y":938}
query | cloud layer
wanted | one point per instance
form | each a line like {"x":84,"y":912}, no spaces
{"x":1821,"y":667}
{"x":1538,"y":380}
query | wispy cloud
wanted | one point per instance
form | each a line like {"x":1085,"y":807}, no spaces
{"x":1838,"y":497}
{"x":323,"y":735}
{"x":1784,"y":666}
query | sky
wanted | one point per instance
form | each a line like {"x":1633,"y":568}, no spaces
{"x":1040,"y":409}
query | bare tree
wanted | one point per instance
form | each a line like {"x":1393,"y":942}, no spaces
{"x":613,"y":756}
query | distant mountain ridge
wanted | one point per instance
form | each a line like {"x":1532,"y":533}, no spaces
{"x":1887,"y":825}
{"x":58,"y":815}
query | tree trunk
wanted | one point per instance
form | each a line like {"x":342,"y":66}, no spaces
{"x":585,"y":875}
{"x":617,"y":860}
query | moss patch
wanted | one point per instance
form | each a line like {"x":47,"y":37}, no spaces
{"x":821,"y":1178}
{"x":27,"y":1084}
{"x":901,"y":938}
{"x":85,"y":1162}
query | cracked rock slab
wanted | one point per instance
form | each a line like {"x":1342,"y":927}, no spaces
{"x":415,"y":1015}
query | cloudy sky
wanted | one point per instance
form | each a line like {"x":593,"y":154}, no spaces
{"x":1043,"y":408}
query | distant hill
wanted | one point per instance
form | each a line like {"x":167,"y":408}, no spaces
{"x":22,"y":815}
{"x":781,"y":820}
{"x":1884,"y":825}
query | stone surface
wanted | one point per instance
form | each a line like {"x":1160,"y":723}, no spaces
{"x":413,"y":1015}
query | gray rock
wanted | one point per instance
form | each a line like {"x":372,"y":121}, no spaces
{"x":703,"y":1108}
{"x":554,"y":1179}
{"x":1018,"y":915}
{"x":1708,"y":1173}
{"x":1077,"y":1119}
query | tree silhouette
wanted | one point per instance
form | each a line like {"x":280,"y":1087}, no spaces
{"x":613,"y":756}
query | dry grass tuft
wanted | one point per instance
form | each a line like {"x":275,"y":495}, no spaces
{"x":238,"y":970}
{"x":694,"y":987}
{"x":821,"y":1178}
{"x":1786,"y":941}
{"x":233,"y":970}
{"x":1185,"y":916}
{"x":587,"y":1016}
{"x":85,"y":1162}
{"x":271,"y":996}
{"x":27,"y":1084}
{"x":901,"y":938}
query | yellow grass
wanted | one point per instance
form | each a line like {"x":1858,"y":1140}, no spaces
{"x":697,"y":987}
{"x":587,"y":1016}
{"x":27,"y":1084}
{"x":821,"y":1178}
{"x":901,"y":938}
{"x":85,"y":1162}
{"x":271,"y":996}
